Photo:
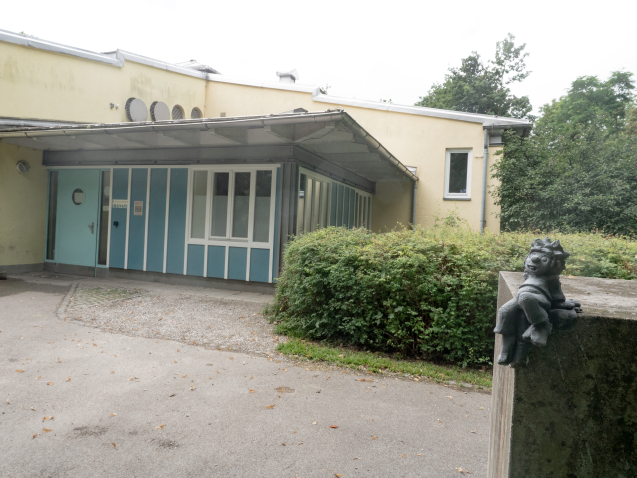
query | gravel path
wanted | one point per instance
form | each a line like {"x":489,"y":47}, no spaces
{"x":226,"y":324}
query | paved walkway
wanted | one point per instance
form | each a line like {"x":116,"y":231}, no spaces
{"x":81,"y":401}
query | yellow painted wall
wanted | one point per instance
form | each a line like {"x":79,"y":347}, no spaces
{"x":22,"y":207}
{"x":419,"y":141}
{"x":38,"y":84}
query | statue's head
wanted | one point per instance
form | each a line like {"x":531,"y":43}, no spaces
{"x":546,"y":258}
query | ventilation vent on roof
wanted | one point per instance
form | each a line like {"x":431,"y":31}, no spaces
{"x":178,"y":112}
{"x":159,"y":111}
{"x":288,"y":76}
{"x":136,"y":110}
{"x":196,"y":113}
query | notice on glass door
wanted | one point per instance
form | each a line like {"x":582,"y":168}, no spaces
{"x":138,"y":208}
{"x":120,"y":203}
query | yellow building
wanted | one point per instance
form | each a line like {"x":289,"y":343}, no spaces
{"x":399,"y":165}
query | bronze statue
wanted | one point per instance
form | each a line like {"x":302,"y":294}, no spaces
{"x":529,"y":317}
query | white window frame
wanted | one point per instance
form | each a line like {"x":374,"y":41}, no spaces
{"x":461,"y":196}
{"x":358,"y":221}
{"x":230,"y":241}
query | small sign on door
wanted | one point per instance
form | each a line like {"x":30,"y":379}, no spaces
{"x":138,"y":208}
{"x":120,"y":203}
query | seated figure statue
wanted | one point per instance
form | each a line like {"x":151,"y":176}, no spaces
{"x":539,"y":305}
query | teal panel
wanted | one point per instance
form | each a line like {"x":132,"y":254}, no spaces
{"x":195,"y":260}
{"x":339,"y":207}
{"x":177,"y":221}
{"x":237,"y":262}
{"x":259,"y":265}
{"x":276,"y":222}
{"x":216,"y":261}
{"x":352,"y":205}
{"x":346,"y":191}
{"x":137,"y":224}
{"x":156,"y":220}
{"x":118,"y":216}
{"x":333,"y":204}
{"x":76,"y":234}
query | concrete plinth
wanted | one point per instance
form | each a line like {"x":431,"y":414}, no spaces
{"x":571,"y":409}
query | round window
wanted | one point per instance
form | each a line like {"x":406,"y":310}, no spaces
{"x":78,"y":196}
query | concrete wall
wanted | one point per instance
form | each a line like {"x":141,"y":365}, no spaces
{"x":39,"y":84}
{"x":415,"y":140}
{"x":23,"y":201}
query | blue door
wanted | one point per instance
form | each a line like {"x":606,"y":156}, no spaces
{"x":77,"y":208}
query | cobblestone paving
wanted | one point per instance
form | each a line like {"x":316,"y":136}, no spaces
{"x":86,"y":296}
{"x":227,"y":324}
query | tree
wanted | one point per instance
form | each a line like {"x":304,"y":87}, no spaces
{"x":479,"y":87}
{"x":578,"y":170}
{"x":590,"y":100}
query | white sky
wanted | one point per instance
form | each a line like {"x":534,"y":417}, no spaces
{"x":363,"y":49}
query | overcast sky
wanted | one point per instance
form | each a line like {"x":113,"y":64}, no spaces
{"x":363,"y":49}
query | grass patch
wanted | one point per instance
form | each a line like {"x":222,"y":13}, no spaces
{"x":375,"y":362}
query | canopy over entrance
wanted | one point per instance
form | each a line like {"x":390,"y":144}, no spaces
{"x":331,"y":142}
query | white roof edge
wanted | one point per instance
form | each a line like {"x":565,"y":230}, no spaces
{"x":25,"y":40}
{"x":262,"y":84}
{"x":317,"y":95}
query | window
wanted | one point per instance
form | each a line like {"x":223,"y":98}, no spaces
{"x":323,"y":203}
{"x":231,"y":205}
{"x":52,"y":219}
{"x":178,"y":112}
{"x":105,"y":206}
{"x":195,"y":113}
{"x":458,"y":174}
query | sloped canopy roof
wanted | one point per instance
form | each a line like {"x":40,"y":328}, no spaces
{"x":333,"y":135}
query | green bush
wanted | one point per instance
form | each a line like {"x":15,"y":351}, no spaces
{"x":428,"y":293}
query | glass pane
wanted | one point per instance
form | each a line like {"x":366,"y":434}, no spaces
{"x":324,"y":197}
{"x":220,"y":183}
{"x":364,"y":212}
{"x":199,"y":191}
{"x":53,"y":208}
{"x":339,"y":207}
{"x":360,"y":211}
{"x":369,"y":213}
{"x":104,"y":210}
{"x":357,"y":216}
{"x":346,"y":207}
{"x":458,"y":172}
{"x":300,"y":213}
{"x":241,"y":205}
{"x":261,"y":232}
{"x":317,"y":206}
{"x":307,"y":220}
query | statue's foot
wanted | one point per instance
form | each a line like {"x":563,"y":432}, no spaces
{"x":538,"y":334}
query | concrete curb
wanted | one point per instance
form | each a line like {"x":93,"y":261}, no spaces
{"x":65,"y":303}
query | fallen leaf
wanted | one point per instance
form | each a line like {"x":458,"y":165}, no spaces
{"x":231,"y":358}
{"x":364,"y":380}
{"x":250,"y":391}
{"x":113,"y":414}
{"x":59,"y":361}
{"x":185,"y":376}
{"x":160,"y":426}
{"x":374,"y":437}
{"x":114,"y":445}
{"x":339,"y":476}
{"x":333,"y":426}
{"x":192,"y":387}
{"x":356,"y":458}
{"x":474,"y":430}
{"x":19,"y":370}
{"x":46,"y":430}
{"x":35,"y":435}
{"x":314,"y":423}
{"x":282,"y":444}
{"x":404,"y":456}
{"x":269,"y":406}
{"x":68,"y":379}
{"x":39,"y":377}
{"x":448,"y":396}
{"x":459,"y":470}
{"x":481,"y":408}
{"x":49,"y":383}
{"x":285,"y":369}
{"x":418,"y":454}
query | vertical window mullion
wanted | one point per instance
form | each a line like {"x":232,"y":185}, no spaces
{"x":230,"y":205}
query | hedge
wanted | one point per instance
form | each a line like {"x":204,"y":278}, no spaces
{"x":428,"y":293}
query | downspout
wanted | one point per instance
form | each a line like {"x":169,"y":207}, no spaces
{"x":485,"y":160}
{"x":413,"y":207}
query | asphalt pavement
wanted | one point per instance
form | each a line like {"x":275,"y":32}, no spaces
{"x":80,"y":401}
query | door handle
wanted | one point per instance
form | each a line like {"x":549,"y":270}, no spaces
{"x":91,"y":226}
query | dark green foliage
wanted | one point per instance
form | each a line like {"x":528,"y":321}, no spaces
{"x":479,"y":87}
{"x":428,"y":293}
{"x":578,"y":170}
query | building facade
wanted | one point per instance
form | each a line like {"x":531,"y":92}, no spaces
{"x":188,"y":137}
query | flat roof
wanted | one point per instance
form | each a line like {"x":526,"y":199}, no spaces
{"x":332,"y":135}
